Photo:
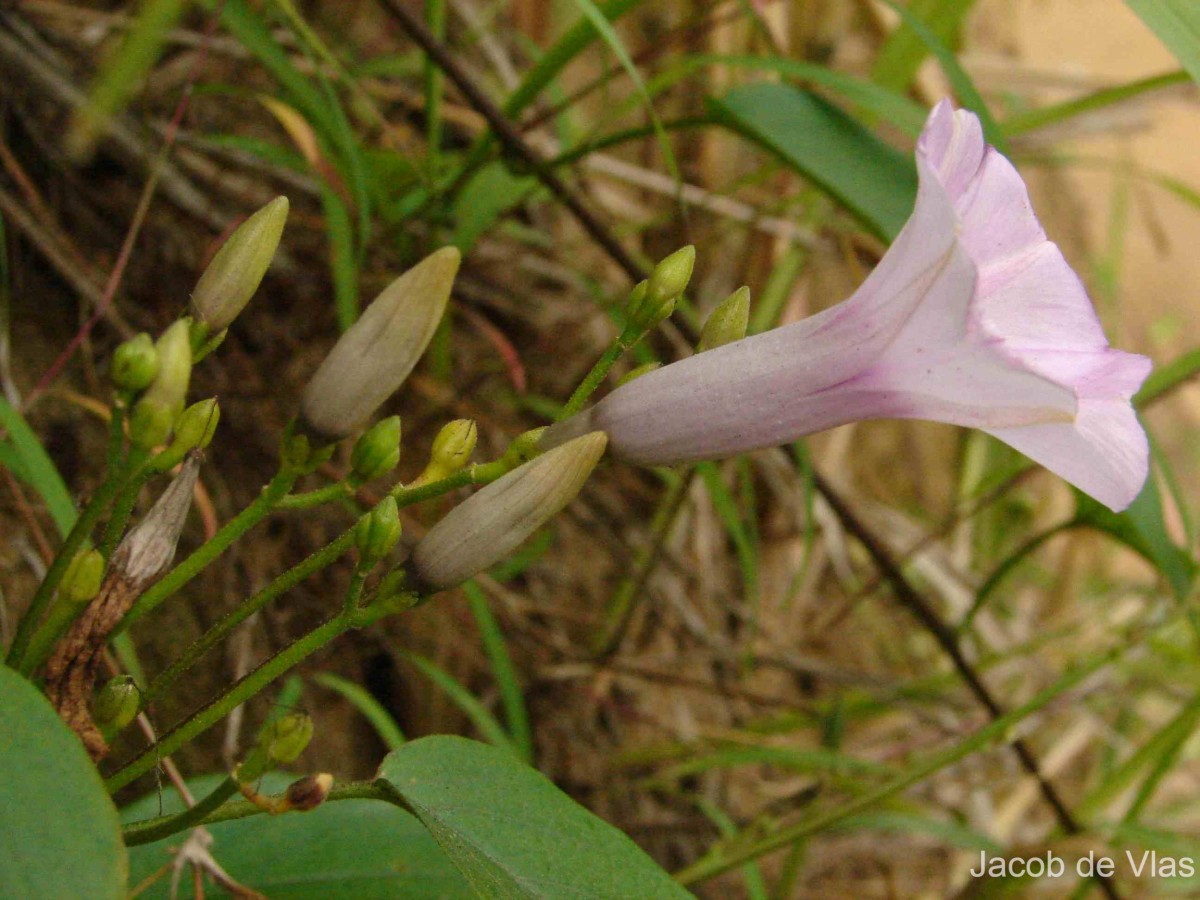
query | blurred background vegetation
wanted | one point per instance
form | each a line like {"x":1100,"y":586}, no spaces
{"x":695,"y":656}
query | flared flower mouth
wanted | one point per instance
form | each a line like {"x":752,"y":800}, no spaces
{"x":972,"y":317}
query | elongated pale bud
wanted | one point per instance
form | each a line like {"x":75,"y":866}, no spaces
{"x":238,"y":267}
{"x":373,"y":358}
{"x":728,"y":322}
{"x":155,"y":413}
{"x":117,"y":703}
{"x":377,"y":452}
{"x":378,"y":532}
{"x":135,"y":363}
{"x":641,"y":370}
{"x":196,"y":426}
{"x":146,"y":552}
{"x":81,"y":582}
{"x":495,"y":520}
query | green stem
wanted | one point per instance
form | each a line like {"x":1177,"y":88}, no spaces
{"x":138,"y":474}
{"x":619,"y":610}
{"x":242,"y":691}
{"x":289,"y":579}
{"x":243,"y":809}
{"x":354,"y":592}
{"x":478,"y":473}
{"x":266,"y":501}
{"x":79,"y":533}
{"x":165,"y":826}
{"x":307,"y":500}
{"x":596,"y":376}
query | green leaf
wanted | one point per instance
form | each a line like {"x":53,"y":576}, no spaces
{"x":36,"y":468}
{"x":511,"y":832}
{"x":1177,"y":24}
{"x":1141,"y":528}
{"x":59,"y":834}
{"x":872,"y":180}
{"x":491,"y":192}
{"x":349,"y":849}
{"x":902,"y":54}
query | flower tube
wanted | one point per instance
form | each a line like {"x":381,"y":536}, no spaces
{"x":972,"y":317}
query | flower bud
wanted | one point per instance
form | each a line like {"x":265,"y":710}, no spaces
{"x":728,"y":322}
{"x":523,"y":448}
{"x":378,"y":451}
{"x":196,"y":426}
{"x":496,"y":519}
{"x":670,"y":277}
{"x":283,"y":739}
{"x":81,"y":582}
{"x":637,"y":297}
{"x":638,"y":372}
{"x":135,"y":363}
{"x":163,"y":400}
{"x":453,"y":446}
{"x":377,"y":353}
{"x":117,"y":704}
{"x":307,"y":793}
{"x":237,"y":268}
{"x":377,"y":533}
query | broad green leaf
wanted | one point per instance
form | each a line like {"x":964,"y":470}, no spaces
{"x":36,"y":468}
{"x":59,"y":834}
{"x":1177,"y":24}
{"x":511,"y":831}
{"x":346,"y":850}
{"x":1141,"y":528}
{"x":872,"y":180}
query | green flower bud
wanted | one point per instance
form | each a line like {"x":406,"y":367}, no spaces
{"x":378,"y":451}
{"x":523,"y":448}
{"x":638,"y":372}
{"x":237,"y":268}
{"x":496,"y":519}
{"x":196,"y":426}
{"x":728,"y":322}
{"x":637,"y":298}
{"x":670,"y":277}
{"x":163,"y":400}
{"x":454,"y":444}
{"x":282,"y":740}
{"x":81,"y":582}
{"x":377,"y":533}
{"x":378,"y":352}
{"x":135,"y":363}
{"x":117,"y":704}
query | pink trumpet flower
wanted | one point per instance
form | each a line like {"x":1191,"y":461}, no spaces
{"x":972,"y":317}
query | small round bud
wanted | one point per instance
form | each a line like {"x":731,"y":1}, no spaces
{"x":308,"y":792}
{"x":453,"y":446}
{"x":135,"y":363}
{"x":117,"y":703}
{"x":83,"y":576}
{"x":523,"y":448}
{"x":378,"y":532}
{"x":671,"y":276}
{"x":238,"y":267}
{"x":284,"y":739}
{"x":377,"y":452}
{"x":196,"y":426}
{"x":728,"y":322}
{"x":637,"y":297}
{"x":638,"y":372}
